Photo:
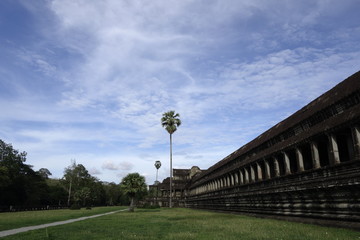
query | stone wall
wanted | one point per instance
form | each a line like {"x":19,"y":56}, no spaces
{"x":306,"y":166}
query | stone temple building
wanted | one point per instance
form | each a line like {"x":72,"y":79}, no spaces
{"x":306,"y":167}
{"x":181,"y":181}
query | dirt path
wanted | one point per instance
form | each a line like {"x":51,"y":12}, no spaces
{"x":25,"y":229}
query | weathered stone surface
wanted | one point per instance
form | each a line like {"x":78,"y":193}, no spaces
{"x":307,"y":166}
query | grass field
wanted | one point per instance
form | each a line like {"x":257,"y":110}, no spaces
{"x":11,"y":220}
{"x":185,"y":224}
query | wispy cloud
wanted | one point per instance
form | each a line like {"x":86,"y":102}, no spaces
{"x":98,"y":76}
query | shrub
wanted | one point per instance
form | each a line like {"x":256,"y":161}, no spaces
{"x":148,"y":206}
{"x":75,"y":206}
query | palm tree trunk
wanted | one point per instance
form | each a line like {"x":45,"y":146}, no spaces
{"x":171,"y":172}
{"x":131,"y":209}
{"x":69,"y":193}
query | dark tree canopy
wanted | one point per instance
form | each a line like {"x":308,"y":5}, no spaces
{"x":21,"y":186}
{"x":19,"y":183}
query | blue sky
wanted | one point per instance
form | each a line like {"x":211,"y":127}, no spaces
{"x":89,"y":80}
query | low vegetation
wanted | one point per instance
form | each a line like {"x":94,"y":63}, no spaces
{"x":185,"y":224}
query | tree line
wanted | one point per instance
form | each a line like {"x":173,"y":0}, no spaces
{"x":21,"y":185}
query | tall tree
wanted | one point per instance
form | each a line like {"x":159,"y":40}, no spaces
{"x":78,"y":181}
{"x":133,"y":185}
{"x":170,"y":121}
{"x":19,"y":183}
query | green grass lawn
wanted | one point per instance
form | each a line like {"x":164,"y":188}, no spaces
{"x":11,"y":220}
{"x":184,"y":224}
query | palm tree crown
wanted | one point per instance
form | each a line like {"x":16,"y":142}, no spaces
{"x":170,"y":121}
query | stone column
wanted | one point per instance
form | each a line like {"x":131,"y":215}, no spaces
{"x":259,"y":171}
{"x":241,"y":177}
{"x":252,"y":174}
{"x":246,"y":177}
{"x":315,"y":155}
{"x":299,"y":160}
{"x":267,"y":170}
{"x":236,"y":178}
{"x":334,"y":151}
{"x":276,"y":167}
{"x":356,"y":140}
{"x":287,"y":164}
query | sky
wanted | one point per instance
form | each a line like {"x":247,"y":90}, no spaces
{"x":89,"y":80}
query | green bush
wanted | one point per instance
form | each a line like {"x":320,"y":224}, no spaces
{"x":75,"y":206}
{"x":149,"y":206}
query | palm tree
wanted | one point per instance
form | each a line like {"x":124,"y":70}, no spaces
{"x":170,"y":121}
{"x":132,"y":185}
{"x":157,"y":166}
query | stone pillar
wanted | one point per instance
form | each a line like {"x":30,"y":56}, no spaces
{"x":334,"y":157}
{"x":246,"y":177}
{"x":299,"y":160}
{"x":241,"y":177}
{"x":315,"y":155}
{"x":252,"y":174}
{"x":236,"y":178}
{"x":276,"y":167}
{"x":287,"y":164}
{"x":356,"y":140}
{"x":259,"y":171}
{"x":267,"y":170}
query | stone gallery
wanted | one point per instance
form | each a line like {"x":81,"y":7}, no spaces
{"x":306,"y":167}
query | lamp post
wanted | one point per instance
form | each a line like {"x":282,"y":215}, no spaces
{"x":157,"y":165}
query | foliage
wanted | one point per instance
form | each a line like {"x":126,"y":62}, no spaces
{"x":175,"y":223}
{"x":44,"y":173}
{"x":83,"y":188}
{"x":75,"y":206}
{"x":170,"y":121}
{"x":149,"y":206}
{"x":135,"y":187}
{"x":19,"y":183}
{"x":114,"y":195}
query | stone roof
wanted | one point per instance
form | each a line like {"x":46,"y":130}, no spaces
{"x":331,"y":97}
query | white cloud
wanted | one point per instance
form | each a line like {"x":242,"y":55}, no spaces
{"x":123,"y":166}
{"x":94,"y":171}
{"x":232,"y":69}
